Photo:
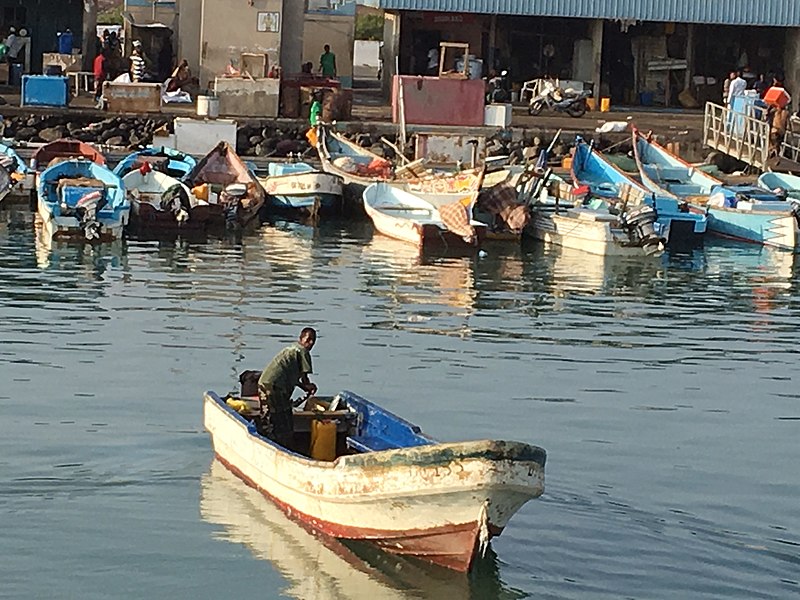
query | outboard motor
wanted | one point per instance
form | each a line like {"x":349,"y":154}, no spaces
{"x":86,"y":210}
{"x":640,"y":223}
{"x":231,"y":198}
{"x":176,"y":201}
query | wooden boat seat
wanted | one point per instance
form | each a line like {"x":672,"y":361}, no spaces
{"x":370,"y":443}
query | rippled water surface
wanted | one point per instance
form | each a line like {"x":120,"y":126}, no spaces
{"x":665,"y":392}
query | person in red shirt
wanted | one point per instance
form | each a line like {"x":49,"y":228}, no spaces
{"x":100,"y":74}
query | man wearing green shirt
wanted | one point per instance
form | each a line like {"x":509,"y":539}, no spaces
{"x":289,"y":369}
{"x":327,"y":62}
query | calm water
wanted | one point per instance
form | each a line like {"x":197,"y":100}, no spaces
{"x":664,"y":391}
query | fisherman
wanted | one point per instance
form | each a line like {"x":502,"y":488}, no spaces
{"x":737,"y":87}
{"x":327,"y":62}
{"x":289,"y":369}
{"x":315,"y":114}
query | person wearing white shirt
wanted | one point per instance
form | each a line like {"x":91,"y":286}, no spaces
{"x":737,"y":88}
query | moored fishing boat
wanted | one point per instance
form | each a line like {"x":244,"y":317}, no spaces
{"x":159,"y":201}
{"x":14,"y":173}
{"x":359,"y":168}
{"x":65,"y":149}
{"x":411,"y":218}
{"x":675,"y":223}
{"x":564,"y":220}
{"x":382,"y":480}
{"x":80,"y":199}
{"x":781,"y":184}
{"x":745,"y":213}
{"x":224,"y":181}
{"x":166,"y":160}
{"x":299,"y":187}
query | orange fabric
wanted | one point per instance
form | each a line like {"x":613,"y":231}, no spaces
{"x":311,"y":136}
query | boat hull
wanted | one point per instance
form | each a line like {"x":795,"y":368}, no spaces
{"x":436,"y":502}
{"x":69,"y":228}
{"x":308,"y":192}
{"x":593,"y":236}
{"x":774,"y":229}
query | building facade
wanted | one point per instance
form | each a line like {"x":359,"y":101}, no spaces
{"x":213,"y":34}
{"x":44,"y":20}
{"x":632,"y":51}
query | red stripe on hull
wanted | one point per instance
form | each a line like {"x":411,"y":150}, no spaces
{"x":450,"y":546}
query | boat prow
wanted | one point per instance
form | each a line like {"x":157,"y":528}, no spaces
{"x":387,"y":483}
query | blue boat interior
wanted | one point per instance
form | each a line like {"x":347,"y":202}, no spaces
{"x":166,"y":160}
{"x":361,"y":425}
{"x":278,"y":169}
{"x":65,"y":184}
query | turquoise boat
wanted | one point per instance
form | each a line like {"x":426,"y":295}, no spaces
{"x":675,"y":222}
{"x":781,"y":184}
{"x":80,"y":199}
{"x":744,"y":213}
{"x":165,"y":160}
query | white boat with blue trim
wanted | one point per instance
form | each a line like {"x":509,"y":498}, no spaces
{"x":83,"y":200}
{"x":298,"y":186}
{"x":378,"y":478}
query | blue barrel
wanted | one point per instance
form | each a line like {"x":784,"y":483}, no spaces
{"x":15,"y":74}
{"x":65,"y":42}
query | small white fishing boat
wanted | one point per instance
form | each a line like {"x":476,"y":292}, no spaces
{"x":411,"y":218}
{"x":300,"y":187}
{"x":377,"y":478}
{"x":783,"y":183}
{"x":160,"y":201}
{"x":563,"y":220}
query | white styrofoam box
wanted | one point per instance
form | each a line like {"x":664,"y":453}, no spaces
{"x":199,"y":136}
{"x":497,"y":115}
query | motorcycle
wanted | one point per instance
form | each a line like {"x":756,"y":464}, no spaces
{"x":499,"y":89}
{"x":553,"y":98}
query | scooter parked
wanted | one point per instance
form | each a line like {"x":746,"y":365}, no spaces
{"x":554,"y":98}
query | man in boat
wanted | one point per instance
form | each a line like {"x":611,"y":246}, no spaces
{"x":289,"y":369}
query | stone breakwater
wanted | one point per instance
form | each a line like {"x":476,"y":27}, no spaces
{"x":262,"y":139}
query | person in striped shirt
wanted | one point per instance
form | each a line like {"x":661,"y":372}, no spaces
{"x":137,"y":62}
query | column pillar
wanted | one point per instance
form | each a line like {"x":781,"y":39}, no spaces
{"x":689,"y":56}
{"x":597,"y":57}
{"x":89,"y":33}
{"x":390,"y":53}
{"x":490,"y":57}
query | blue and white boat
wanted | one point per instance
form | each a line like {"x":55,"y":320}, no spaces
{"x":781,"y":184}
{"x":745,"y":213}
{"x":675,"y":222}
{"x":80,"y":199}
{"x":300,"y":187}
{"x":160,"y":158}
{"x":355,"y":471}
{"x":14,"y":173}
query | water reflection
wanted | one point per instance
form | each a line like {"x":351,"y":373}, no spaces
{"x":322,"y":568}
{"x":58,"y":254}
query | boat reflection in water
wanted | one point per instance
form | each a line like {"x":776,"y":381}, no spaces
{"x":322,"y":568}
{"x":433,"y":294}
{"x":51,"y":253}
{"x":578,"y":272}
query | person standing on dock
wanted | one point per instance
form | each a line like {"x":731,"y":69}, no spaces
{"x":737,"y":88}
{"x":289,"y":368}
{"x":327,"y":62}
{"x":138,"y":66}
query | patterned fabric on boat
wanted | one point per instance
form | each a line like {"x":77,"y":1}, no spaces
{"x":501,"y":202}
{"x":455,"y":217}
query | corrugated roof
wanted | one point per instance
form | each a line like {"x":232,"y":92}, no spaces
{"x":782,"y":13}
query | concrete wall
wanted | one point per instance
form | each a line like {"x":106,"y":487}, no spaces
{"x":336,"y":31}
{"x":792,"y":62}
{"x":229,"y":28}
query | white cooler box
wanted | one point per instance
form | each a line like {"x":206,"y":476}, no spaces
{"x":497,"y":115}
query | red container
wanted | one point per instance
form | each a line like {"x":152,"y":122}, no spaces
{"x":439,"y":101}
{"x":777,"y":96}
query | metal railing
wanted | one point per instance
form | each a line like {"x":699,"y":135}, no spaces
{"x":790,"y":147}
{"x":745,"y":136}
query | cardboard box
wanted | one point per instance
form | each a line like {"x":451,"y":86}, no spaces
{"x":132,"y":97}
